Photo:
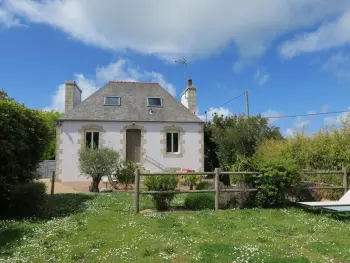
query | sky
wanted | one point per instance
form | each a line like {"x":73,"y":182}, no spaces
{"x":292,"y":56}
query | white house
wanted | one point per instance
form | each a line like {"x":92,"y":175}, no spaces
{"x":139,"y":119}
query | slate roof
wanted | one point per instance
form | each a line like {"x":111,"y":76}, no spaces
{"x":133,"y":105}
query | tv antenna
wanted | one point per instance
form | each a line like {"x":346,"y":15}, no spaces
{"x":184,"y":62}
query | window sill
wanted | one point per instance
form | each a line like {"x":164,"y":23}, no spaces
{"x":173,"y":155}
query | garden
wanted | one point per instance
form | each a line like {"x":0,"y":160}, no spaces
{"x":264,"y":225}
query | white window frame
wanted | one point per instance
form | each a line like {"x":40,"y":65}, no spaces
{"x":172,"y":142}
{"x":157,"y":106}
{"x":92,"y":138}
{"x":104,"y":103}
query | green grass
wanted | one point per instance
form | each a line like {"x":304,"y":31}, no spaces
{"x":102,"y":228}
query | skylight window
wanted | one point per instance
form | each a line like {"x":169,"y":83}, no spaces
{"x":112,"y":101}
{"x":154,"y":102}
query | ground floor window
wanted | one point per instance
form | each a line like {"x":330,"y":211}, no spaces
{"x":92,"y":139}
{"x":172,"y":142}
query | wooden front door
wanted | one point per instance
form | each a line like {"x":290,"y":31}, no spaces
{"x":133,"y":145}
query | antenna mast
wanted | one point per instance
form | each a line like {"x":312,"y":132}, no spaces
{"x":184,"y":62}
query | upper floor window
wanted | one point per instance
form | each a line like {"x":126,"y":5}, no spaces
{"x":154,"y":102}
{"x":92,"y":139}
{"x":112,"y":101}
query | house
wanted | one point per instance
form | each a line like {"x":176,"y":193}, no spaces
{"x":141,"y":120}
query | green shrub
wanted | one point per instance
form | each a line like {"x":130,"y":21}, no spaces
{"x":126,"y":173}
{"x":277,"y":178}
{"x":190,"y":180}
{"x":23,"y":200}
{"x":200,"y":201}
{"x":161,"y":183}
{"x":205,"y":185}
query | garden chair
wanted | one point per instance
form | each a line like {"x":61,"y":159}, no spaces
{"x":344,"y":201}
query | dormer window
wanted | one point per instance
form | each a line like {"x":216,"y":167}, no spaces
{"x":154,"y":102}
{"x":112,"y":101}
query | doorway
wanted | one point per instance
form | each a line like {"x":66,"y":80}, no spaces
{"x":133,"y":145}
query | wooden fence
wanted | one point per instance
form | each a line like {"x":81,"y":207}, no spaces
{"x":217,"y":190}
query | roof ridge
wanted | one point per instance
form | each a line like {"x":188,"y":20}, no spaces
{"x":141,"y":82}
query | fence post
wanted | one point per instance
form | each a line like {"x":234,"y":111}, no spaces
{"x":345,"y":180}
{"x":217,"y":190}
{"x":137,"y":192}
{"x":53,"y":183}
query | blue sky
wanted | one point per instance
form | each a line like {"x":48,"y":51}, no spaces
{"x":292,"y":56}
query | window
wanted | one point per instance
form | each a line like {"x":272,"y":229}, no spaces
{"x":172,"y":142}
{"x":92,"y":139}
{"x":154,"y":102}
{"x":112,"y":101}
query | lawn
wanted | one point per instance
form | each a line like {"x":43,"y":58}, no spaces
{"x":103,"y":228}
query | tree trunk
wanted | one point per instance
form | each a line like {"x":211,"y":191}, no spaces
{"x":191,"y":187}
{"x":94,"y":185}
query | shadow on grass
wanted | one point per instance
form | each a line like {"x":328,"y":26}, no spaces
{"x":62,"y":205}
{"x":10,"y":235}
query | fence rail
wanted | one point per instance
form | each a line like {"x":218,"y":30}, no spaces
{"x":217,"y":190}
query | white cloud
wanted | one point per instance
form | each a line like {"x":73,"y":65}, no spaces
{"x":339,"y":64}
{"x":271,"y":113}
{"x":7,"y":19}
{"x":329,"y":35}
{"x":118,"y":70}
{"x":261,"y":77}
{"x":299,"y":124}
{"x":170,"y":29}
{"x":338,"y":119}
{"x":219,"y":111}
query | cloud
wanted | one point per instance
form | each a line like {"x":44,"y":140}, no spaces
{"x":219,"y":111}
{"x":238,"y":66}
{"x":168,"y":30}
{"x":299,"y":124}
{"x":7,"y":19}
{"x":271,"y":113}
{"x":261,"y":77}
{"x":339,"y":64}
{"x":338,"y":119}
{"x":329,"y":35}
{"x":119,"y":70}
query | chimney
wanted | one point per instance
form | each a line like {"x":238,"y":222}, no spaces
{"x":188,"y":97}
{"x":73,"y":95}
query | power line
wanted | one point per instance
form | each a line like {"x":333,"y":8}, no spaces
{"x":224,"y":103}
{"x":309,"y":114}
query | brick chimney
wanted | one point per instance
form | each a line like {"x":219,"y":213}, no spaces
{"x":188,"y":97}
{"x":73,"y":95}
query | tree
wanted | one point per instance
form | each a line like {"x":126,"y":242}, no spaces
{"x":50,"y":117}
{"x":23,"y":139}
{"x":236,"y":138}
{"x":96,"y":163}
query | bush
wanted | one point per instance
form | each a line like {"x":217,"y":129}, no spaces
{"x":205,"y":185}
{"x":276,"y":180}
{"x":24,"y":137}
{"x":126,"y":173}
{"x":23,"y":200}
{"x":96,"y":163}
{"x":200,"y":201}
{"x":161,"y":183}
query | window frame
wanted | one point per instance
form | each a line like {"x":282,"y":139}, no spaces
{"x":92,"y":139}
{"x":172,"y":142}
{"x":156,"y":106}
{"x":105,"y":104}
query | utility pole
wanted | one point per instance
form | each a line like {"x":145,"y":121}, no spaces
{"x":247,"y":103}
{"x":183,"y":61}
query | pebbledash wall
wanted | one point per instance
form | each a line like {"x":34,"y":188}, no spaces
{"x":70,"y":138}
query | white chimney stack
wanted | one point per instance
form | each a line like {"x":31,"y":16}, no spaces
{"x":189,"y":97}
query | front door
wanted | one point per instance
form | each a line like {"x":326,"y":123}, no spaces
{"x":133,"y":145}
